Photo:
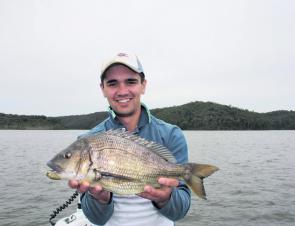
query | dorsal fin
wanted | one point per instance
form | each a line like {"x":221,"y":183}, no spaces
{"x":152,"y":146}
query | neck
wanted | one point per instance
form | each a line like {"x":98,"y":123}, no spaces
{"x":130,"y":122}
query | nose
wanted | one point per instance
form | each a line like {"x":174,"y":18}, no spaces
{"x":122,"y":89}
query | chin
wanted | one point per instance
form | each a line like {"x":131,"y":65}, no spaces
{"x":124,"y":113}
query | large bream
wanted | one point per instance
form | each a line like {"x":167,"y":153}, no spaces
{"x":123,"y":163}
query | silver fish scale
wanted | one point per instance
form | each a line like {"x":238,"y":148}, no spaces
{"x":130,"y":157}
{"x":123,"y":187}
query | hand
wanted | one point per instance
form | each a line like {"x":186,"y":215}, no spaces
{"x":96,"y":192}
{"x":160,"y":195}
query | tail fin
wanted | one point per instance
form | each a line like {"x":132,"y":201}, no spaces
{"x":195,"y":175}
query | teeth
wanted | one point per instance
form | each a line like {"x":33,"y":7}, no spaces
{"x":123,"y":101}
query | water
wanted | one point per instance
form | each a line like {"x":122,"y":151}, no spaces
{"x":255,"y":184}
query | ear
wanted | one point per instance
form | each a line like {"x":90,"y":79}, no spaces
{"x":143,"y":86}
{"x":102,"y":89}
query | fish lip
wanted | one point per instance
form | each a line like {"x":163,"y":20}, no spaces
{"x":54,"y":167}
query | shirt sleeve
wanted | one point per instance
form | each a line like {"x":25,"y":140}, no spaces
{"x":178,"y":205}
{"x":96,"y":212}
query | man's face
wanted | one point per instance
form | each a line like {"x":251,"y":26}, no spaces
{"x":123,"y":88}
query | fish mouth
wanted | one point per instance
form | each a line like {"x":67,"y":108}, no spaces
{"x":55,"y":171}
{"x":53,"y":175}
{"x":54,"y":167}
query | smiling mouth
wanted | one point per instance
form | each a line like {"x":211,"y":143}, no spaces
{"x":124,"y":100}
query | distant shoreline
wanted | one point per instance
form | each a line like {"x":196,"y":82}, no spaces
{"x":191,"y":116}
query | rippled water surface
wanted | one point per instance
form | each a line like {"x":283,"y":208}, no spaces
{"x":255,"y":184}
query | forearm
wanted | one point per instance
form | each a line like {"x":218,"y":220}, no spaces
{"x":96,"y":212}
{"x":178,"y":205}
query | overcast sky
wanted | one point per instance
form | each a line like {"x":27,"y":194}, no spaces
{"x":239,"y":53}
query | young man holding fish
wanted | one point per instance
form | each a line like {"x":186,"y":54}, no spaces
{"x":122,"y":83}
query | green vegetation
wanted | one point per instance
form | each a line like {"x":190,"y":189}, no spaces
{"x":191,"y":116}
{"x":213,"y":116}
{"x":9,"y":121}
{"x":81,"y":121}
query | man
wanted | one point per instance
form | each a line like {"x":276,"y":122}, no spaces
{"x":122,"y":83}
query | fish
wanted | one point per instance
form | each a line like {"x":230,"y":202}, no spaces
{"x":123,"y":163}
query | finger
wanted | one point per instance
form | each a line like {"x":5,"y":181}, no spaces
{"x":95,"y":189}
{"x":146,"y":193}
{"x":101,"y":195}
{"x":170,"y":182}
{"x":160,"y":195}
{"x":83,"y":186}
{"x":73,"y":184}
{"x":162,"y":192}
{"x":148,"y":189}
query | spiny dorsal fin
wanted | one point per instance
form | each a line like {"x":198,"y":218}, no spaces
{"x":152,"y":146}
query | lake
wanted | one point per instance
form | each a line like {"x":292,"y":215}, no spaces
{"x":254,"y":186}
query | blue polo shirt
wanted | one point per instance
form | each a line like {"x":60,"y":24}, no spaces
{"x":153,"y":129}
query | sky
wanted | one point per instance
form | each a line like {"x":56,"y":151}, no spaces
{"x":232,"y":52}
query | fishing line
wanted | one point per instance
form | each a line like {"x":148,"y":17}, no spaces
{"x":62,"y":207}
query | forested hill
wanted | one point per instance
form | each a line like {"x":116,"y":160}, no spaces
{"x":191,"y":116}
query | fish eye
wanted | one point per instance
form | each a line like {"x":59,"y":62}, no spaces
{"x":67,"y":155}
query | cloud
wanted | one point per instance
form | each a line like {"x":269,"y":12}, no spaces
{"x":231,"y":52}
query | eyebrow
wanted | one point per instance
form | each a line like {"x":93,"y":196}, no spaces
{"x":132,"y":79}
{"x":111,"y":81}
{"x":128,"y":80}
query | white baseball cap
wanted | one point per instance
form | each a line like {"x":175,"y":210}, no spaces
{"x":129,"y":60}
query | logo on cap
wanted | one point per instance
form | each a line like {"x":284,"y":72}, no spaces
{"x":123,"y":55}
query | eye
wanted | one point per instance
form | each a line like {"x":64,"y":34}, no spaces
{"x":67,"y":155}
{"x":132,"y":81}
{"x":111,"y":83}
